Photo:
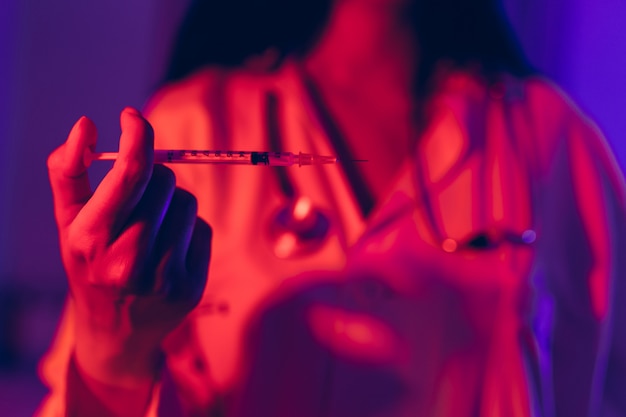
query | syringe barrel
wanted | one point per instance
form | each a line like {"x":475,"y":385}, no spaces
{"x":284,"y":159}
{"x":223,"y":157}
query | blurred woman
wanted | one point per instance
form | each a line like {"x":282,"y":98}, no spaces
{"x":468,"y":268}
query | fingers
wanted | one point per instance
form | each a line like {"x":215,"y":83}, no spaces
{"x":173,"y":242}
{"x":109,"y":208}
{"x":137,"y":238}
{"x":141,"y":230}
{"x":179,"y":256}
{"x":67,"y":171}
{"x":198,"y":259}
{"x":170,"y":261}
{"x":187,"y":265}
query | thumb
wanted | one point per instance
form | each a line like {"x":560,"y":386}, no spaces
{"x":67,"y":171}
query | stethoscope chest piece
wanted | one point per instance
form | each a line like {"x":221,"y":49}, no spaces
{"x":298,"y":228}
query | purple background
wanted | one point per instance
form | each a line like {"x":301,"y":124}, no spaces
{"x":62,"y":59}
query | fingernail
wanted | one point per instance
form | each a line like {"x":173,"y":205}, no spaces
{"x":79,"y":141}
{"x":77,"y":126}
{"x":132,"y":111}
{"x":76,"y":131}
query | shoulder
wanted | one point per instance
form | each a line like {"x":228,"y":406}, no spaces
{"x":180,"y":111}
{"x":552,"y":108}
{"x":207,"y":107}
{"x":565,"y":131}
{"x":181,"y":95}
{"x":559,"y":123}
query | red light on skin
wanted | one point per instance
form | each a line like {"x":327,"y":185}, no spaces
{"x":444,"y":145}
{"x":285,"y":245}
{"x":302,"y":209}
{"x":354,"y":335}
{"x":449,"y":245}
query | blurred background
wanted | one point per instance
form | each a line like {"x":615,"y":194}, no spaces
{"x":63,"y":59}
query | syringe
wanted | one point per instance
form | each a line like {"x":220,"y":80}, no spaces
{"x":180,"y":156}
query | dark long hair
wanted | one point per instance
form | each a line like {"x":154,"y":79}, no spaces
{"x":465,"y":32}
{"x":226,"y":32}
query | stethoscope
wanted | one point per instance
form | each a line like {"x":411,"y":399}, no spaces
{"x":298,"y":227}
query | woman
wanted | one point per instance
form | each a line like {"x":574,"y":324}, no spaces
{"x":487,"y":278}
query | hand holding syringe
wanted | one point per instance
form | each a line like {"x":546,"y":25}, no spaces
{"x":134,"y":251}
{"x":136,"y":256}
{"x":229,"y":157}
